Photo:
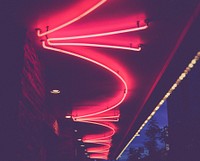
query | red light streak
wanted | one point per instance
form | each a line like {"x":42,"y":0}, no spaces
{"x":97,"y":150}
{"x":100,"y":117}
{"x":106,"y":142}
{"x":75,"y":118}
{"x":100,"y":34}
{"x":98,"y":156}
{"x":100,"y":138}
{"x":109,"y":116}
{"x":98,"y":141}
{"x":102,"y":149}
{"x":73,"y":20}
{"x":95,"y":45}
{"x":88,"y":118}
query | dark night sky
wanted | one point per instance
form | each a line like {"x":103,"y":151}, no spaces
{"x":161,"y":117}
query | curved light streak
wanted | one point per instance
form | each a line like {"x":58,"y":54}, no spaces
{"x":76,"y":118}
{"x":97,"y":150}
{"x":94,"y":118}
{"x":100,"y":142}
{"x":102,"y":149}
{"x":88,"y":118}
{"x":94,"y":45}
{"x":102,"y":118}
{"x":104,"y":142}
{"x":73,"y":20}
{"x":100,"y":138}
{"x":100,"y":34}
{"x":98,"y":156}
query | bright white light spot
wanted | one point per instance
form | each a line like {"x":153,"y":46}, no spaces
{"x":191,"y":65}
{"x":68,"y":117}
{"x":194,"y":61}
{"x":55,"y":91}
{"x":198,"y":54}
{"x":174,"y":86}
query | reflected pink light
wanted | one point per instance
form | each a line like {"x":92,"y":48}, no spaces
{"x":73,"y":20}
{"x":90,"y":139}
{"x":100,"y":142}
{"x":101,"y":149}
{"x":87,"y":119}
{"x":98,"y":150}
{"x":104,"y":149}
{"x":75,"y":118}
{"x":100,"y":34}
{"x":98,"y":156}
{"x":100,"y":117}
{"x":94,"y":45}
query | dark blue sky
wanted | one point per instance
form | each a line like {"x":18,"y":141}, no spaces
{"x":161,"y":117}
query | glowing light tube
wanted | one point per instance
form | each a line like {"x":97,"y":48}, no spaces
{"x":97,"y":150}
{"x":101,"y":117}
{"x":101,"y":137}
{"x":94,"y":45}
{"x":92,"y":149}
{"x":75,"y":118}
{"x":102,"y":149}
{"x":100,"y":142}
{"x":100,"y":34}
{"x":73,"y":20}
{"x":98,"y":156}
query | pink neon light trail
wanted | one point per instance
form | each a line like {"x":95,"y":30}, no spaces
{"x":99,"y":117}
